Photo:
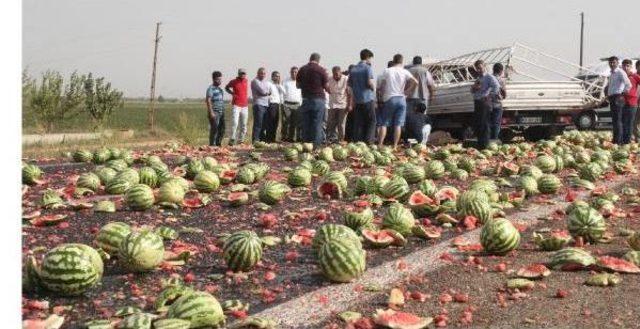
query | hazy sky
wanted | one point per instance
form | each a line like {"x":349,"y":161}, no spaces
{"x":115,"y":38}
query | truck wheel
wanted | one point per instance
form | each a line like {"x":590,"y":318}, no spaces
{"x":507,"y":135}
{"x":586,"y":120}
{"x":463,"y":133}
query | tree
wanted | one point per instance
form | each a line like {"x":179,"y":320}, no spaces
{"x":100,"y":100}
{"x":53,"y":101}
{"x":161,"y":99}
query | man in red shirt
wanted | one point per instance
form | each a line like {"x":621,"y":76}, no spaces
{"x":239,"y":89}
{"x":630,"y":103}
{"x":636,"y":124}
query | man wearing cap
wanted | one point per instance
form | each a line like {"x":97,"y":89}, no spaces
{"x":618,"y":86}
{"x":312,"y":80}
{"x":239,"y":89}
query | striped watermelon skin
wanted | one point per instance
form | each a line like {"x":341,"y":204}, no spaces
{"x":334,"y":231}
{"x":117,"y":165}
{"x":111,"y":235}
{"x":206,"y":181}
{"x":136,"y":321}
{"x":479,"y":209}
{"x":434,"y":169}
{"x":634,"y":241}
{"x":428,"y":187}
{"x":376,"y":184}
{"x":413,"y":174}
{"x":290,"y":154}
{"x":245,"y":176}
{"x":272,"y":192}
{"x":82,"y":156}
{"x":358,"y":218}
{"x":321,"y":167}
{"x":467,"y":197}
{"x":338,"y":178}
{"x":117,"y":186}
{"x":139,"y":197}
{"x":549,"y":184}
{"x":71,"y":269}
{"x":194,"y":167}
{"x":498,"y":236}
{"x":130,"y":175}
{"x":529,"y":184}
{"x":396,"y":188}
{"x":546,"y":163}
{"x":89,"y":180}
{"x":571,"y":255}
{"x":141,"y":251}
{"x":587,"y":223}
{"x":341,"y":260}
{"x":399,"y":218}
{"x":171,"y":324}
{"x":200,"y":308}
{"x":31,"y":173}
{"x":106,"y":174}
{"x":242,"y":250}
{"x":148,"y":176}
{"x":299,"y":177}
{"x":483,"y":184}
{"x":171,"y":192}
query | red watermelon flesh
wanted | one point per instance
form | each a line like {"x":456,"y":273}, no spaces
{"x":419,"y":198}
{"x":378,"y":238}
{"x":329,"y":190}
{"x":400,"y":320}
{"x":617,"y":265}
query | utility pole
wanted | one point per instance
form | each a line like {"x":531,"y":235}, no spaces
{"x":581,"y":36}
{"x":152,"y":100}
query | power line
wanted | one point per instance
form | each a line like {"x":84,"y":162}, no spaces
{"x":152,"y":101}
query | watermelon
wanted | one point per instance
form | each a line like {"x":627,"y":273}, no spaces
{"x":171,"y":324}
{"x":171,"y":192}
{"x":460,"y":174}
{"x":106,"y":174}
{"x":376,"y":184}
{"x":362,"y":185}
{"x":148,"y":176}
{"x":422,"y":205}
{"x":51,"y":199}
{"x":341,"y":260}
{"x":259,"y":169}
{"x":530,"y":170}
{"x":326,"y":154}
{"x":200,"y":308}
{"x":193,"y":168}
{"x":591,"y":171}
{"x":398,"y":218}
{"x":130,"y":175}
{"x":571,"y":258}
{"x":299,"y":177}
{"x":483,"y":184}
{"x":242,"y":250}
{"x":71,"y":269}
{"x":617,"y":265}
{"x":139,"y":197}
{"x":633,"y":257}
{"x":111,"y":235}
{"x":434,"y":169}
{"x":236,"y":199}
{"x":329,"y":190}
{"x":377,"y":239}
{"x":101,"y":156}
{"x":467,"y":164}
{"x":479,"y":209}
{"x":447,"y":193}
{"x":290,"y":154}
{"x":88,"y":180}
{"x":428,"y":187}
{"x":206,"y":181}
{"x":31,"y":173}
{"x":546,"y":163}
{"x":209,"y":163}
{"x":499,"y":236}
{"x":396,"y":188}
{"x":529,"y":184}
{"x":338,"y":178}
{"x":464,"y":200}
{"x":413,"y":174}
{"x":400,"y":320}
{"x":272,"y":192}
{"x":587,"y":223}
{"x":321,"y":167}
{"x":117,"y":165}
{"x":634,"y":241}
{"x":245,"y":176}
{"x":554,"y":242}
{"x":340,"y":153}
{"x":509,"y":168}
{"x":136,"y":321}
{"x":82,"y":156}
{"x":355,"y":219}
{"x":549,"y":184}
{"x":141,"y":251}
{"x":331,"y":231}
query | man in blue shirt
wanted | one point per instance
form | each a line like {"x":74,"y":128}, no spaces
{"x":485,"y":86}
{"x":215,"y":109}
{"x":362,"y":86}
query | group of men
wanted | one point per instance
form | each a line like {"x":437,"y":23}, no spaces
{"x":311,"y":106}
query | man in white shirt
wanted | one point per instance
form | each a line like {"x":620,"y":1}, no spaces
{"x":338,"y":105}
{"x":290,"y":131}
{"x":397,"y":82}
{"x":618,"y":86}
{"x":276,"y":100}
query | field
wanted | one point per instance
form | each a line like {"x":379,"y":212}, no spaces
{"x":439,"y":271}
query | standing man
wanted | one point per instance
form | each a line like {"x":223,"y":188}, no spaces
{"x":292,"y":99}
{"x":482,"y":103}
{"x":636,"y":125}
{"x":496,"y":110}
{"x":338,"y":105}
{"x":363,"y":88}
{"x":260,"y":93}
{"x":418,"y":101}
{"x":312,"y":80}
{"x":630,"y":102}
{"x":348,"y":127}
{"x":396,"y":83}
{"x":215,"y":109}
{"x":275,"y":104}
{"x":239,"y":89}
{"x":618,"y":86}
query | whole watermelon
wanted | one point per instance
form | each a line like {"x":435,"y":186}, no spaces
{"x":111,"y":235}
{"x":341,"y":260}
{"x":141,"y":251}
{"x":242,"y":250}
{"x":139,"y":197}
{"x":200,"y":308}
{"x":148,"y":176}
{"x":206,"y":181}
{"x":399,"y":218}
{"x":299,"y":177}
{"x":587,"y":223}
{"x":88,"y":180}
{"x":331,"y":231}
{"x":30,"y":173}
{"x":271,"y":192}
{"x":71,"y":269}
{"x":498,"y":236}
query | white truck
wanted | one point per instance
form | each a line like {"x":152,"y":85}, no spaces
{"x":544,"y":93}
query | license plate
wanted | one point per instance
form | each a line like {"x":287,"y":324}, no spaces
{"x":607,"y":120}
{"x":531,"y":120}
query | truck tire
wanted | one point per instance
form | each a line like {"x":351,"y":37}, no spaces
{"x":463,"y":133}
{"x":534,"y":134}
{"x":507,"y":135}
{"x":586,"y":120}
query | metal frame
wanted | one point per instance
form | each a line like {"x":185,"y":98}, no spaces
{"x":521,"y":63}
